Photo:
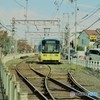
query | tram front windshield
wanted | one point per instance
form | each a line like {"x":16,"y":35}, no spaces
{"x":50,"y":46}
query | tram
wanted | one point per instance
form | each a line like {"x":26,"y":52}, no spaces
{"x":49,"y":50}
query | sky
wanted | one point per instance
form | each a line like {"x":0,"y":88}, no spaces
{"x":88,"y":11}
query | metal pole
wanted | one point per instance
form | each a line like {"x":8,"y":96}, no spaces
{"x":68,"y":40}
{"x":13,"y":35}
{"x":69,"y":45}
{"x":14,"y":41}
{"x":75,"y":25}
{"x":27,"y":28}
{"x":26,"y":9}
{"x":59,"y":29}
{"x":31,"y":44}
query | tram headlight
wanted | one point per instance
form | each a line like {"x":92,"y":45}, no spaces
{"x":56,"y":54}
{"x":44,"y":55}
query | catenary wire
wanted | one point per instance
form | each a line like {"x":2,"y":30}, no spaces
{"x":5,"y":27}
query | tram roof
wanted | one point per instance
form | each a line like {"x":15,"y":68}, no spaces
{"x":51,"y":38}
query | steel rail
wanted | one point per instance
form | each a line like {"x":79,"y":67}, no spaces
{"x":46,"y":84}
{"x":57,"y":82}
{"x":47,"y":89}
{"x":78,"y":86}
{"x":31,"y":86}
{"x":67,"y":87}
{"x":75,"y":83}
{"x":35,"y":89}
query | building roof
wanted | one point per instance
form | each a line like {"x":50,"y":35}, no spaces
{"x":92,"y":32}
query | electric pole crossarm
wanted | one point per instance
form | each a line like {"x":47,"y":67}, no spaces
{"x":40,"y":22}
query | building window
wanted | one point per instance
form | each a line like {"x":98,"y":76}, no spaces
{"x":82,"y":41}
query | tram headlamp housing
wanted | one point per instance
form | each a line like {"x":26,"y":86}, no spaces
{"x":44,"y":54}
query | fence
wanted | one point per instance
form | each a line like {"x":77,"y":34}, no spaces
{"x":10,"y":84}
{"x":87,"y":63}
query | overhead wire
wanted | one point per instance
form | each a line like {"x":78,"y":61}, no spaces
{"x":90,"y":14}
{"x":25,"y":11}
{"x":58,"y":6}
{"x":25,"y":8}
{"x":93,"y":23}
{"x":5,"y":27}
{"x":20,"y":4}
{"x":91,"y":11}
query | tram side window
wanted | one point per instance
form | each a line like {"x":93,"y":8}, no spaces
{"x":39,"y":48}
{"x":44,"y":46}
{"x":43,"y":43}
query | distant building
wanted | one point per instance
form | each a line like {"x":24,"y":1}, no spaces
{"x":88,"y":38}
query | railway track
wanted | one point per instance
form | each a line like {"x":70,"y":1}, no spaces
{"x":64,"y":91}
{"x":41,"y":86}
{"x":77,"y":86}
{"x":36,"y":91}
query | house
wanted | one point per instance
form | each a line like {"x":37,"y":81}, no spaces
{"x":87,"y":38}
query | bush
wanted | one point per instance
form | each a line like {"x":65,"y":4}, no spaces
{"x":79,"y":48}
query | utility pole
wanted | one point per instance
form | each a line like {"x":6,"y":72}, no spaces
{"x":59,"y":32}
{"x":68,"y":43}
{"x":75,"y":25}
{"x":67,"y":39}
{"x":31,"y":44}
{"x":26,"y":9}
{"x":13,"y":47}
{"x":26,"y":16}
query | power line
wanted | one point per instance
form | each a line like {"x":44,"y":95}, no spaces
{"x":93,"y":23}
{"x":58,"y":6}
{"x":91,"y":11}
{"x":5,"y":27}
{"x":87,"y":16}
{"x":90,"y":15}
{"x":20,"y":4}
{"x":26,"y":8}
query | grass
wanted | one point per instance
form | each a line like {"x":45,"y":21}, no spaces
{"x":83,"y":75}
{"x":14,"y":61}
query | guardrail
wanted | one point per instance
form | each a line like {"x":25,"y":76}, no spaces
{"x":87,"y":63}
{"x":10,"y":84}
